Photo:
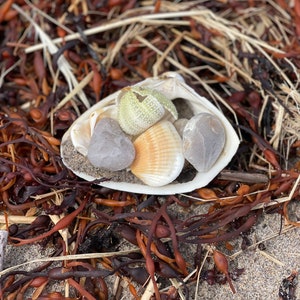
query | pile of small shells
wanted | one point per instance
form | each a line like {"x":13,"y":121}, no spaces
{"x":141,"y":131}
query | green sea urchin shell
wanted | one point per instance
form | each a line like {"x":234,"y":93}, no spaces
{"x":139,"y":108}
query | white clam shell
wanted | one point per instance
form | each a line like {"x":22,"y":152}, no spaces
{"x":159,"y":158}
{"x":172,"y":86}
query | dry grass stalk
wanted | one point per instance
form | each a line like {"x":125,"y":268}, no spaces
{"x":62,"y":63}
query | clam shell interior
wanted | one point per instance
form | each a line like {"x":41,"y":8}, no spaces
{"x":188,"y":103}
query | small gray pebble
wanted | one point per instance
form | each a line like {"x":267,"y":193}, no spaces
{"x":203,"y":141}
{"x":110,"y":148}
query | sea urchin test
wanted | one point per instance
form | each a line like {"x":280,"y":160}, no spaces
{"x":130,"y":139}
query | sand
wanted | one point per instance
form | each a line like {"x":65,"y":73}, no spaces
{"x":264,"y":270}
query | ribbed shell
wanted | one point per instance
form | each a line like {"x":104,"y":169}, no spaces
{"x":159,"y":159}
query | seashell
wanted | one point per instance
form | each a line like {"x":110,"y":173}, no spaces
{"x":172,"y":86}
{"x":110,"y":148}
{"x":159,"y":158}
{"x":81,"y":132}
{"x":139,"y":108}
{"x":203,"y":140}
{"x":180,"y":125}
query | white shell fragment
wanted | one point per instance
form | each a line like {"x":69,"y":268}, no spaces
{"x":203,"y":141}
{"x":140,"y":108}
{"x":180,"y":124}
{"x":159,"y":158}
{"x":82,"y":131}
{"x":109,"y":146}
{"x":216,"y":146}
